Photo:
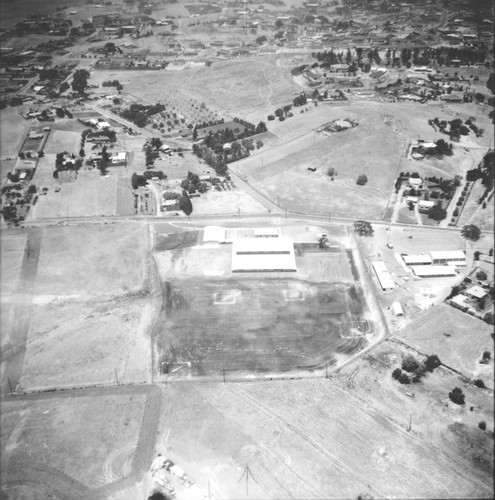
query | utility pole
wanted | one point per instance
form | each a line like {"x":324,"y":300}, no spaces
{"x":116,"y":377}
{"x":410,"y":422}
{"x":223,"y":371}
{"x":326,"y":370}
{"x":10,"y":386}
{"x":247,"y":472}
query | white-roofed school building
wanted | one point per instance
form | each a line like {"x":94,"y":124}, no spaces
{"x":384,"y":278}
{"x":449,"y":257}
{"x":263,"y":254}
{"x":433,"y":271}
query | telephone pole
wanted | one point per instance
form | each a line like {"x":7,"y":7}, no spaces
{"x":247,"y":472}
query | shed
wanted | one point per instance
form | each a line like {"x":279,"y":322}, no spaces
{"x":397,"y":309}
{"x":460,"y":300}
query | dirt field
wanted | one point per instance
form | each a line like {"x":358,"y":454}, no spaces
{"x":82,"y":288}
{"x":227,"y":202}
{"x":255,"y":87}
{"x":213,"y":320}
{"x":457,"y":338}
{"x":43,"y":432}
{"x":330,"y":439}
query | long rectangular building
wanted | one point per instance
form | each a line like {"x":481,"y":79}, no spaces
{"x":433,"y":271}
{"x":384,"y":278}
{"x":454,"y":257}
{"x":417,"y":260}
{"x":263,"y":255}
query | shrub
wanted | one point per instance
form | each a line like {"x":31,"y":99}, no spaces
{"x":482,"y":425}
{"x":487,"y":355}
{"x":32,"y":189}
{"x":479,"y":383}
{"x":409,"y":364}
{"x":457,"y":396}
{"x":396,"y":373}
{"x":362,"y":180}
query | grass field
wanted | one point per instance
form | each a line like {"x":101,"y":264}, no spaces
{"x":103,"y":260}
{"x":73,"y":341}
{"x":89,"y":195}
{"x":461,"y":348}
{"x":63,"y":140}
{"x":28,"y":427}
{"x":13,"y":128}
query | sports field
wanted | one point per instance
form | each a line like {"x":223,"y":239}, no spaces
{"x":213,"y":320}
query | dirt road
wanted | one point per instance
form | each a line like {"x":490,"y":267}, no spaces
{"x":18,"y":331}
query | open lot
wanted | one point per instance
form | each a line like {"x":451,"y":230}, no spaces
{"x":335,"y":438}
{"x":456,"y":337}
{"x":42,"y":432}
{"x":376,"y":147}
{"x":88,"y":194}
{"x":90,"y":304}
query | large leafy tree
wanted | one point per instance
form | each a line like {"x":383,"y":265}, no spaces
{"x":436,"y":212}
{"x":80,"y":81}
{"x":363,"y":228}
{"x":471,"y":232}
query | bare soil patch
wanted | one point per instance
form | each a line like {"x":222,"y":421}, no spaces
{"x":48,"y":432}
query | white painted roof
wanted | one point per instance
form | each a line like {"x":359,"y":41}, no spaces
{"x":432,"y":271}
{"x":417,"y":259}
{"x":447,"y":254}
{"x":263,"y":254}
{"x":476,"y":291}
{"x":386,"y":281}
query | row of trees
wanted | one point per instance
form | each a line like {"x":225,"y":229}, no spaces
{"x":217,"y":162}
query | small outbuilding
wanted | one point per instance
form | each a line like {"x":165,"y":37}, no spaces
{"x":397,"y":309}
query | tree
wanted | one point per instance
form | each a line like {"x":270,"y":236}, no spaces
{"x":362,"y":180}
{"x":491,"y":82}
{"x":436,"y":212}
{"x":279,"y":23}
{"x":476,"y":255}
{"x":479,"y":383}
{"x":32,"y":189}
{"x":80,"y":81}
{"x":185,"y":203}
{"x":486,"y":356}
{"x":457,"y":396}
{"x":404,"y":379}
{"x":396,"y":373}
{"x":409,"y":364}
{"x":481,"y":275}
{"x":490,"y":252}
{"x":60,"y":112}
{"x":482,"y":425}
{"x":331,"y":172}
{"x":432,"y":362}
{"x":471,"y":232}
{"x":63,"y":87}
{"x":363,"y":228}
{"x":411,"y":206}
